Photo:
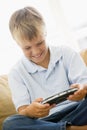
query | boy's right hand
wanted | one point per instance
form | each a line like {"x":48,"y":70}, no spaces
{"x":36,"y":109}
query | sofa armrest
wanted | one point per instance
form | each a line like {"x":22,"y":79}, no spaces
{"x":6,"y":105}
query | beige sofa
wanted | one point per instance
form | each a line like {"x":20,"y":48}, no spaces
{"x":83,"y":54}
{"x":6,"y":105}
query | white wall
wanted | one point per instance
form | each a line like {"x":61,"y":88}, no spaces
{"x":62,"y":28}
{"x":58,"y":31}
{"x":9,"y":51}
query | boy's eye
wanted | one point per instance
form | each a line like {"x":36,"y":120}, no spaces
{"x":28,"y":48}
{"x":40,"y":42}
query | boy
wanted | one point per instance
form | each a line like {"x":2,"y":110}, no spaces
{"x":43,"y":71}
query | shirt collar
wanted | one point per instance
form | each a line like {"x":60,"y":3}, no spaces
{"x":55,"y":55}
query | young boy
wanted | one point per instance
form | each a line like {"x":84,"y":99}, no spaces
{"x":42,"y":72}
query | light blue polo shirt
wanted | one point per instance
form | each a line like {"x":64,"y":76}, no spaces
{"x":29,"y":81}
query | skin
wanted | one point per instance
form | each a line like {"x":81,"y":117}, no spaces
{"x":37,"y":51}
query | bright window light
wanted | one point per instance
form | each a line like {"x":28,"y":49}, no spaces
{"x":58,"y":20}
{"x":9,"y":51}
{"x":75,"y":12}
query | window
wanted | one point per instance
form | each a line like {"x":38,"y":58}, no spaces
{"x":66,"y":24}
{"x":75,"y":12}
{"x":9,"y":51}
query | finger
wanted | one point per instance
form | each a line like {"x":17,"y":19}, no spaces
{"x":75,"y":97}
{"x":38,"y":100}
{"x":76,"y":85}
{"x":52,"y":106}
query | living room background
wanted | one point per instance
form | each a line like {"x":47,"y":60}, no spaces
{"x":66,"y":22}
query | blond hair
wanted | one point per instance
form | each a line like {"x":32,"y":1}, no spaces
{"x":26,"y":23}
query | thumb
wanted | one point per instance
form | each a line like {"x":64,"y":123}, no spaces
{"x":38,"y":100}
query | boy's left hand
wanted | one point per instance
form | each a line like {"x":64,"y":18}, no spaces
{"x":80,"y":93}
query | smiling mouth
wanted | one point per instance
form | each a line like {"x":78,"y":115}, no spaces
{"x":37,"y":56}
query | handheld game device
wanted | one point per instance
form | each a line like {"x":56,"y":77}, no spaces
{"x":59,"y":97}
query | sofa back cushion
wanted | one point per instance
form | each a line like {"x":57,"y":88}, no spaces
{"x":83,"y":54}
{"x":6,"y":105}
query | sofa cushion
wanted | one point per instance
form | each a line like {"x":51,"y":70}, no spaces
{"x":6,"y":105}
{"x":83,"y":54}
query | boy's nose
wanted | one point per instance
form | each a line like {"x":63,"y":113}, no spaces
{"x":35,"y":51}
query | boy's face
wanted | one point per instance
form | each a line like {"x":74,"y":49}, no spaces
{"x":35,"y":50}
